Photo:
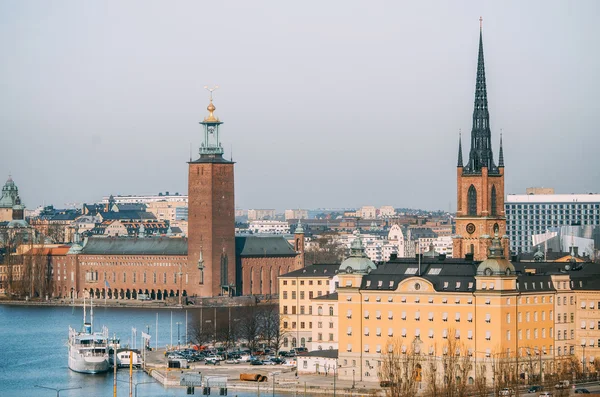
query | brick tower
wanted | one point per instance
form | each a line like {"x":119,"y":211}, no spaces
{"x":480,"y":184}
{"x":211,"y":217}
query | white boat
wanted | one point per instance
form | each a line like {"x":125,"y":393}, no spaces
{"x":123,"y":355}
{"x":88,"y":350}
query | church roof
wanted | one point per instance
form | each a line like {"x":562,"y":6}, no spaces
{"x":134,"y":246}
{"x":263,"y":246}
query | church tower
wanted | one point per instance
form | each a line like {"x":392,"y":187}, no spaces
{"x":211,"y":216}
{"x":480,"y":183}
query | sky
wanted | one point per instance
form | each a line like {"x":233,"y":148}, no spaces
{"x":324,"y":103}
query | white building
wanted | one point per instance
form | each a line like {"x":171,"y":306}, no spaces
{"x":146,"y":199}
{"x":367,"y":212}
{"x":296,"y":214}
{"x":387,"y":211}
{"x":532,"y":214}
{"x":264,"y":214}
{"x":269,"y":227}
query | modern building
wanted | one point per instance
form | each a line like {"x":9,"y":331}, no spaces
{"x":261,"y":214}
{"x":533,"y":214}
{"x":295,"y":214}
{"x":269,"y":227}
{"x":167,"y":210}
{"x":133,"y":199}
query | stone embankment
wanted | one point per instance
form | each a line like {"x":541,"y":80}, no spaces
{"x":283,"y":379}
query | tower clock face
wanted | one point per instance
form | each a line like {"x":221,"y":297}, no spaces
{"x":470,"y":228}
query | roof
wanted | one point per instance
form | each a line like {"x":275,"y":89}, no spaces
{"x":68,"y":216}
{"x":54,"y":251}
{"x":328,"y":297}
{"x":134,"y":246}
{"x":127,"y":215}
{"x":263,"y":246}
{"x":317,"y":270}
{"x":331,"y":353}
{"x":130,"y":207}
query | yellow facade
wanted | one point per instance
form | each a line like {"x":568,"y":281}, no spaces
{"x":298,"y":312}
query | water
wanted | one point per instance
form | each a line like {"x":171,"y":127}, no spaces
{"x":33,"y":349}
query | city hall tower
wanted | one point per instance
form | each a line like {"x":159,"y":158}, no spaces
{"x":211,"y":215}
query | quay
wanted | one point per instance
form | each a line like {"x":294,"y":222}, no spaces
{"x":285,"y":379}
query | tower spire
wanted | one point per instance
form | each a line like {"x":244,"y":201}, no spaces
{"x":211,"y":144}
{"x":481,"y":154}
{"x":501,"y":154}
{"x":460,"y":160}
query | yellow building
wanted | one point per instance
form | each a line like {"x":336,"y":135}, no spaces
{"x":301,"y":311}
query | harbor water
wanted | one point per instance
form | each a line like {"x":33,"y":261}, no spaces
{"x":33,"y":347}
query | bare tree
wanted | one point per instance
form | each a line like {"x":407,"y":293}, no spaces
{"x":327,"y":250}
{"x":271,"y":329}
{"x":201,"y":335}
{"x":250,"y":327}
{"x":401,"y":370}
{"x":432,"y":375}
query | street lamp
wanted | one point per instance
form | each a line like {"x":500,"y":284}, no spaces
{"x":58,"y":390}
{"x":178,"y":340}
{"x":353,"y":383}
{"x":135,"y":385}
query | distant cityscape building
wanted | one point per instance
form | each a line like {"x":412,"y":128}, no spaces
{"x":145,"y":199}
{"x":539,"y":190}
{"x":295,"y":214}
{"x":367,"y":212}
{"x":532,"y":214}
{"x":166,"y":210}
{"x":269,"y":227}
{"x":261,"y":214}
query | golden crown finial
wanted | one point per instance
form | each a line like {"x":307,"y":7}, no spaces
{"x":211,"y":108}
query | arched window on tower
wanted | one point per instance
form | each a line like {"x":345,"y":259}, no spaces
{"x":472,"y":201}
{"x":260,"y":280}
{"x":493,"y":211}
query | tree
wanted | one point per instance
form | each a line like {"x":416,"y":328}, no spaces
{"x":456,"y":366}
{"x":249,"y":328}
{"x":271,"y":329}
{"x":401,"y":369}
{"x":327,"y":250}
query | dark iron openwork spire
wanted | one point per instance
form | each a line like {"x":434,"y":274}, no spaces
{"x":481,"y":154}
{"x":501,"y":154}
{"x":460,"y":160}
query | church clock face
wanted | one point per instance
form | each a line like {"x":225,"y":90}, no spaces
{"x":470,"y":228}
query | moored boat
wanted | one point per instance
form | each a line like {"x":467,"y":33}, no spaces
{"x":88,"y":350}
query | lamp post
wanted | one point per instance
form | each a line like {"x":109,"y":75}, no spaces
{"x":58,"y":390}
{"x":135,"y":385}
{"x":353,"y":383}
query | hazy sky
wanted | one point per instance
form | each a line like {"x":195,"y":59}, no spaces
{"x":325,"y":103}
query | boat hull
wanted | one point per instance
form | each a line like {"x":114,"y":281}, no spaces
{"x":89,"y":365}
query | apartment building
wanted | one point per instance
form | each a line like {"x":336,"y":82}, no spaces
{"x":531,"y":214}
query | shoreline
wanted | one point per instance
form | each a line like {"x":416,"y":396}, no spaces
{"x":98,"y":303}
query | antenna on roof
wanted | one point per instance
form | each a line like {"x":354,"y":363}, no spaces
{"x":190,"y":151}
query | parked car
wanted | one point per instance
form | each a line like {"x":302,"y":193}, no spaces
{"x":256,"y":362}
{"x":507,"y":392}
{"x":211,"y":361}
{"x":268,"y":362}
{"x":545,"y":394}
{"x":534,"y":389}
{"x":300,"y":350}
{"x":582,"y":391}
{"x":232,"y":361}
{"x":563,"y":384}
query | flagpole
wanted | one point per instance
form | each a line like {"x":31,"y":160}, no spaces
{"x":156,"y":332}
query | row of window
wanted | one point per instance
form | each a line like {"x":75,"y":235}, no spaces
{"x":302,"y":294}
{"x":92,"y":276}
{"x":303,"y":325}
{"x":303,"y":310}
{"x":310,"y":282}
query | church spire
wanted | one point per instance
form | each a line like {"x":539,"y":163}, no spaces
{"x":480,"y":154}
{"x":460,"y":160}
{"x":501,"y":154}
